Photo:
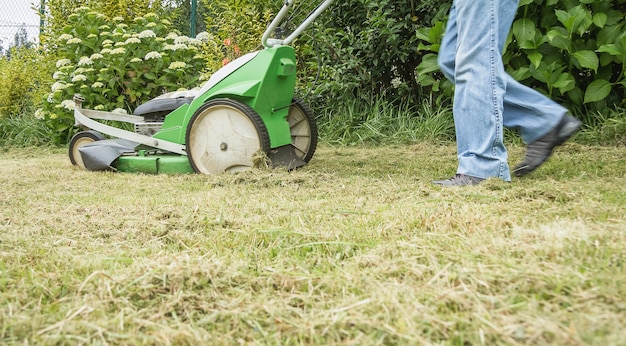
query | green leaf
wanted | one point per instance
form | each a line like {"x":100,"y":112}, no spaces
{"x":428,"y":65}
{"x":610,"y":49}
{"x":587,"y":59}
{"x":521,"y":73}
{"x":598,"y":90}
{"x":524,"y":31}
{"x":535,"y":58}
{"x":565,"y":82}
{"x":600,"y":19}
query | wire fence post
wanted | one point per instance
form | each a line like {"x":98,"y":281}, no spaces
{"x":42,"y":12}
{"x":192,"y":29}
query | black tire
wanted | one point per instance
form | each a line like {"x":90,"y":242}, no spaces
{"x":224,"y":135}
{"x":303,"y":127}
{"x":80,"y":139}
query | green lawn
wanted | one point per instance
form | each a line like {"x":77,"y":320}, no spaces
{"x":357,"y":248}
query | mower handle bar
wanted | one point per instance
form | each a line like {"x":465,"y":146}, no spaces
{"x":271,"y":42}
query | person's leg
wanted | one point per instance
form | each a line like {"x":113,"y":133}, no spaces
{"x":525,"y":109}
{"x":480,"y":85}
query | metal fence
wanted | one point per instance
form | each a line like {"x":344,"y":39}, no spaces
{"x":19,"y":19}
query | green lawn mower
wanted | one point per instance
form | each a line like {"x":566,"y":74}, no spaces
{"x":245,"y":112}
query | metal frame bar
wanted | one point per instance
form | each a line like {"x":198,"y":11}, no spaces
{"x":272,"y":42}
{"x":85,"y":118}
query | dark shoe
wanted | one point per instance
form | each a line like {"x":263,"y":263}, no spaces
{"x":540,"y":150}
{"x":459,"y":180}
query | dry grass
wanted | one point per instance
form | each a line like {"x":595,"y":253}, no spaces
{"x":358,"y":248}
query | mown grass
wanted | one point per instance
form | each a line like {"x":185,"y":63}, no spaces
{"x":356,"y":248}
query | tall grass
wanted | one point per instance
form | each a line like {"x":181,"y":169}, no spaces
{"x":378,"y":121}
{"x":24,"y":131}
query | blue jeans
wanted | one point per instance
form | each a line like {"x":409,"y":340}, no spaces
{"x":486,"y":98}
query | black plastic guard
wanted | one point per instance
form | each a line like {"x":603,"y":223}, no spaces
{"x":99,"y":155}
{"x":285,"y":156}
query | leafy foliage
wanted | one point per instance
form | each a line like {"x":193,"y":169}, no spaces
{"x":117,"y":66}
{"x":23,"y":76}
{"x":237,"y":27}
{"x":369,"y":47}
{"x":575,"y":53}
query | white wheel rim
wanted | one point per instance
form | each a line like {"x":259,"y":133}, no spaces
{"x":76,"y":153}
{"x":300,"y":131}
{"x":222,"y":139}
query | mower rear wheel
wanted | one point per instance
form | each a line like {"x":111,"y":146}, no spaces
{"x":223,"y":136}
{"x":303,"y":129}
{"x":80,"y":139}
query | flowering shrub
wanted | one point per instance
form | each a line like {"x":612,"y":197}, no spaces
{"x":118,"y":66}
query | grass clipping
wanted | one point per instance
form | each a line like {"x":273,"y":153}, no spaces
{"x":358,"y":247}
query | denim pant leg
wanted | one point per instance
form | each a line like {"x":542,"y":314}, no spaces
{"x":524,"y":108}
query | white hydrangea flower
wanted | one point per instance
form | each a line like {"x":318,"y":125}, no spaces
{"x":160,"y":39}
{"x":74,"y":40}
{"x":63,"y":62}
{"x":99,"y":107}
{"x":171,"y":36}
{"x":120,"y":44}
{"x":59,"y":75}
{"x":181,"y":39}
{"x":203,"y":36}
{"x":150,"y":15}
{"x":79,"y":70}
{"x":132,"y":40}
{"x":175,"y":46}
{"x":104,"y":27}
{"x":146,"y":34}
{"x":85,"y":61}
{"x":194,"y":41}
{"x":135,"y":60}
{"x":177,"y":65}
{"x":166,"y":22}
{"x":40,"y":114}
{"x":120,"y":50}
{"x":65,"y":37}
{"x":396,"y":82}
{"x":79,"y":78}
{"x":104,"y":70}
{"x":105,"y":51}
{"x":153,"y":55}
{"x":151,"y":25}
{"x":58,"y":86}
{"x":118,"y":19}
{"x":120,"y":111}
{"x":105,"y":33}
{"x":68,"y":104}
{"x":96,"y":56}
{"x":92,"y":36}
{"x":97,"y":85}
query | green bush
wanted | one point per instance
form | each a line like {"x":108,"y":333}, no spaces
{"x":117,"y":66}
{"x":23,"y":81}
{"x":237,"y":27}
{"x":574,"y":51}
{"x":369,"y":47}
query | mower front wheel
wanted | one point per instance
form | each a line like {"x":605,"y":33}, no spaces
{"x":223,"y":136}
{"x":80,"y":139}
